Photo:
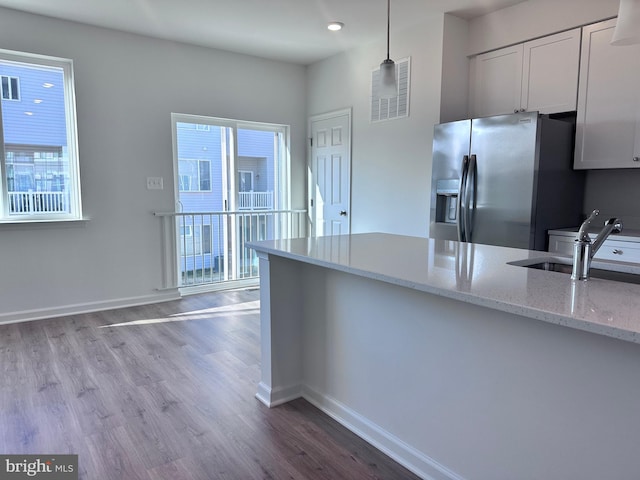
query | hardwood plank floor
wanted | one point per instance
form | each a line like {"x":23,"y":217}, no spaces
{"x":166,"y":391}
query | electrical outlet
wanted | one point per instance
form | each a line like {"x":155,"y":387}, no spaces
{"x":155,"y":183}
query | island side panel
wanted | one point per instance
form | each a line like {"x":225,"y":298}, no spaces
{"x":280,"y":330}
{"x":444,"y":386}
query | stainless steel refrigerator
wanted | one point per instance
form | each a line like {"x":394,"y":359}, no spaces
{"x":504,"y":180}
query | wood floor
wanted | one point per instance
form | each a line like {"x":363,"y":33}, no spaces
{"x":166,"y":392}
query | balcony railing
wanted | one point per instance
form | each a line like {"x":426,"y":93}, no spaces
{"x":207,"y":248}
{"x":255,"y":200}
{"x":38,"y":202}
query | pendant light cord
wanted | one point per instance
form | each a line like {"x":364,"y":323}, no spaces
{"x":388,"y":25}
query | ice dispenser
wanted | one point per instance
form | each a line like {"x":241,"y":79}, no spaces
{"x":447,"y":200}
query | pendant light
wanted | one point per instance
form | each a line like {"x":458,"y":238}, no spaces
{"x":388,"y":83}
{"x":627,"y":30}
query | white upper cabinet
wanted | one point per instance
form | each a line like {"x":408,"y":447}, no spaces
{"x":550,"y":73}
{"x":540,"y":75}
{"x":497,"y":84}
{"x":607,"y":129}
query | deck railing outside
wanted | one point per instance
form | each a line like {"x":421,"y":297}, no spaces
{"x":255,"y":200}
{"x":38,"y":202}
{"x":207,"y":248}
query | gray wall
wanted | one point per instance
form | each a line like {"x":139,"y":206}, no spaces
{"x":126,"y":88}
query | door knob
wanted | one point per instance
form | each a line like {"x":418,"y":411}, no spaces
{"x":343,"y":213}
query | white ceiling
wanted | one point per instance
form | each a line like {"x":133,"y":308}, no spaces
{"x":289,"y":30}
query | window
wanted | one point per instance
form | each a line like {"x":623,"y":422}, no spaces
{"x":39,"y":173}
{"x":195,"y":240}
{"x":195,"y":176}
{"x":10,"y":88}
{"x":185,"y":183}
{"x":245,"y":181}
{"x":206,"y":238}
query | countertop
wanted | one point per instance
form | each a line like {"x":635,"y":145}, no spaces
{"x":476,"y":274}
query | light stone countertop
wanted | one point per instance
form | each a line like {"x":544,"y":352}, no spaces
{"x":476,"y":274}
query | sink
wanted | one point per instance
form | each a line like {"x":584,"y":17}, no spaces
{"x":604,"y":270}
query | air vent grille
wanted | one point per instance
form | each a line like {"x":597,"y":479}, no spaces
{"x":390,"y":108}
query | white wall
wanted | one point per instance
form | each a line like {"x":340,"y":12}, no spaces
{"x":126,"y":88}
{"x":391,"y":161}
{"x":534,"y":18}
{"x":455,"y":70}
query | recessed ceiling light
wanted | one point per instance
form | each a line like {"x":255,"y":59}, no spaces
{"x":28,"y":113}
{"x":335,"y":26}
{"x":47,"y":85}
{"x":37,"y":100}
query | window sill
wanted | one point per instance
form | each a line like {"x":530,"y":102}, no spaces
{"x":43,"y":222}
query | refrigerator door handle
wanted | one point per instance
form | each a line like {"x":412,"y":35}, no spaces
{"x":471,"y":185}
{"x":461,"y":199}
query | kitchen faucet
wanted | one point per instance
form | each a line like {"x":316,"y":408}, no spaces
{"x":584,"y":250}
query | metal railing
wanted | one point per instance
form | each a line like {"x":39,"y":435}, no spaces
{"x":255,"y":200}
{"x":207,"y":248}
{"x":38,"y":202}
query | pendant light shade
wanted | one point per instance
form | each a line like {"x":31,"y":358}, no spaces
{"x":627,"y":30}
{"x":388,"y":84}
{"x":388,"y":81}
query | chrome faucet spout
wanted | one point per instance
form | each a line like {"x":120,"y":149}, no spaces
{"x":613,"y":225}
{"x":584,"y":249}
{"x":583,"y":233}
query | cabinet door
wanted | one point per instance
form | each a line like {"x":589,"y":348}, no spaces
{"x":550,"y":73}
{"x":561,"y":244}
{"x":496,"y":88}
{"x":607,"y":134}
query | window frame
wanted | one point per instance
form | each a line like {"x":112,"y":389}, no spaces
{"x":194,"y":240}
{"x":194,"y":181}
{"x":241,"y":173}
{"x":32,"y":60}
{"x":11,"y":89}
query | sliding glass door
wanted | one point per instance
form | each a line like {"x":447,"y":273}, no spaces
{"x":231,"y":179}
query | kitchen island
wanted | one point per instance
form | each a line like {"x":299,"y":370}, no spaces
{"x":452,"y":361}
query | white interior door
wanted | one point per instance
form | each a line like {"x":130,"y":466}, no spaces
{"x":330,"y":173}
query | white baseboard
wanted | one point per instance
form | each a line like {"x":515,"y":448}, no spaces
{"x":42,"y":313}
{"x":407,"y":456}
{"x":277,"y":396}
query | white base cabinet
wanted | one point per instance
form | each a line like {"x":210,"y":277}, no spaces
{"x":623,"y":248}
{"x":608,"y":121}
{"x":540,"y":75}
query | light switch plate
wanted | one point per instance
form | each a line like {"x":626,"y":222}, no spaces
{"x":155,"y":183}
